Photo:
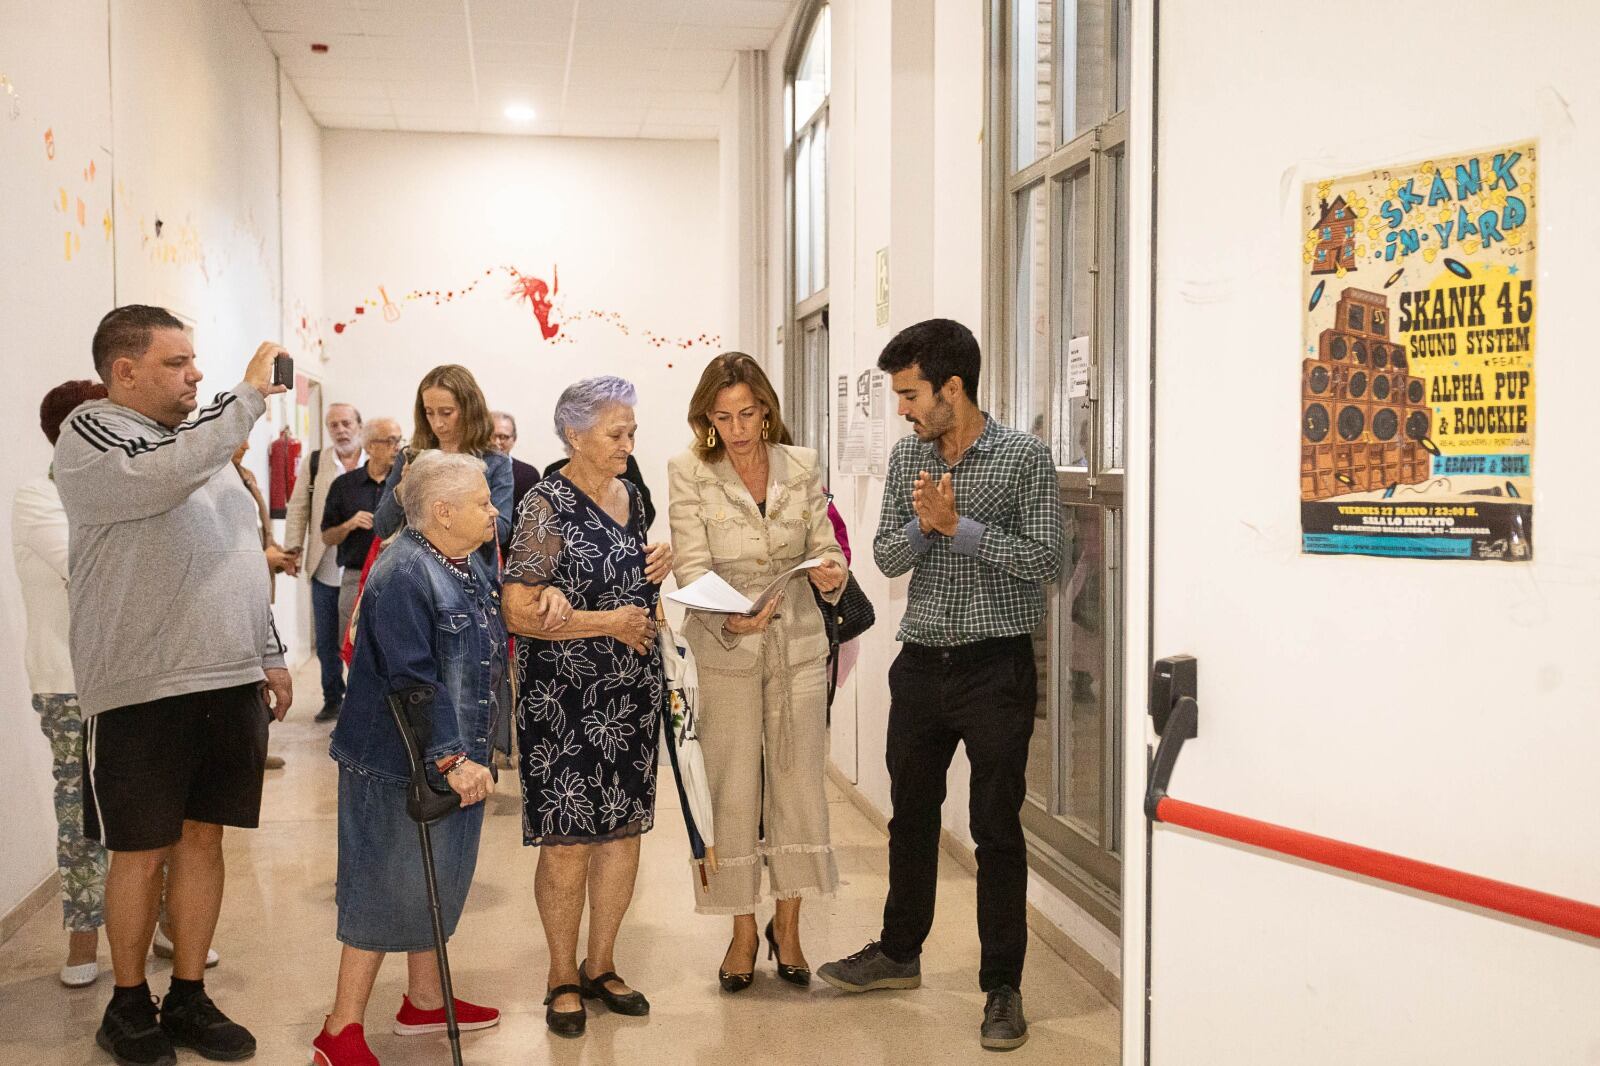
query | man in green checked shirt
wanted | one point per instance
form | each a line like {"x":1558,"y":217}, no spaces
{"x":970,"y":509}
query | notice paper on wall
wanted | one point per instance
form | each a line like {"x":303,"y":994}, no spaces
{"x":1417,"y":375}
{"x":710,"y":592}
{"x":1078,"y":367}
{"x":878,"y":422}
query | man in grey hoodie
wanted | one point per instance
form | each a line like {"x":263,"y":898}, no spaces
{"x":177,"y":661}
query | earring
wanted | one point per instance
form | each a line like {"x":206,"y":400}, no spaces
{"x":766,"y":425}
{"x":711,"y":437}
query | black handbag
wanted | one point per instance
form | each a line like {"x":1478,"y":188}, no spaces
{"x":844,"y":621}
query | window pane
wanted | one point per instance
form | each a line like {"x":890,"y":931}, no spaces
{"x":1087,"y":69}
{"x":819,"y":206}
{"x":1030,"y":345}
{"x":1074,"y":320}
{"x":1030,"y":81}
{"x":811,"y":78}
{"x":802,"y":217}
{"x":1085,"y":703}
{"x":1124,"y":30}
{"x":1114,"y":369}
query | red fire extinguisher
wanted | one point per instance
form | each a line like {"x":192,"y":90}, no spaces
{"x":283,"y":462}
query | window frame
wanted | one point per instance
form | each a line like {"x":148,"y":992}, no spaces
{"x":1087,"y":873}
{"x":806,"y":394}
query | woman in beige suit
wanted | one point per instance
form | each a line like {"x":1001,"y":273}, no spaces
{"x":748,"y":504}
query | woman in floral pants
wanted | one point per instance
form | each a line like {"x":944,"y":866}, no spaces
{"x":39,"y":548}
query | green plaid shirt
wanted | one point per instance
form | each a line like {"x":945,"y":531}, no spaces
{"x":987,"y":580}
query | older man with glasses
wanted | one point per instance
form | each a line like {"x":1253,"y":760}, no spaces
{"x":347,"y":514}
{"x":523,"y":475}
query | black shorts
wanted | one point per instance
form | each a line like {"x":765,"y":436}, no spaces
{"x":149,"y":766}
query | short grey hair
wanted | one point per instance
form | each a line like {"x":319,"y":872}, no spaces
{"x":370,"y":431}
{"x":495,"y":416}
{"x":434,"y":476}
{"x":580,"y":405}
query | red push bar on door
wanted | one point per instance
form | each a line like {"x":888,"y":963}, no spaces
{"x":1181,"y":723}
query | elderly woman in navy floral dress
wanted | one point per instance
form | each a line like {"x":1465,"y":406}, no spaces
{"x":592,"y":690}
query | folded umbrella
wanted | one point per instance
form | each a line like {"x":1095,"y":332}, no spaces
{"x":683,"y":747}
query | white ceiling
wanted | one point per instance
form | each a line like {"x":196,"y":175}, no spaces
{"x":588,"y":68}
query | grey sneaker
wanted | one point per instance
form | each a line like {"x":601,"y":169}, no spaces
{"x":1004,"y":1027}
{"x":870,"y":969}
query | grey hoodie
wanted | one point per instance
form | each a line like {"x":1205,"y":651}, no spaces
{"x":168,"y":588}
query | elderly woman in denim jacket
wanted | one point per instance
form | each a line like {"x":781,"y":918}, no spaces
{"x":430,"y":617}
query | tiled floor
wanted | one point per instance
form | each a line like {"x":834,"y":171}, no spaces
{"x":279,"y":958}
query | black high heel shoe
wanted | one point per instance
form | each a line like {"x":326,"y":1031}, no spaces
{"x":565,"y":1022}
{"x":795,"y":975}
{"x":737,"y":982}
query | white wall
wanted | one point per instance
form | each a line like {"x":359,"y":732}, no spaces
{"x":55,"y":58}
{"x":304,"y":327}
{"x":1456,"y":722}
{"x":633,"y":225}
{"x":184,"y":128}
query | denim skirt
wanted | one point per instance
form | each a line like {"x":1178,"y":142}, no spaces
{"x":382,"y":893}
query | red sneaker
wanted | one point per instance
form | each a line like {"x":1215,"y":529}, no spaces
{"x":348,"y":1048}
{"x":413,"y":1022}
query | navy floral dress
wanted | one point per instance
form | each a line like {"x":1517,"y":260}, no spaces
{"x":588,"y":715}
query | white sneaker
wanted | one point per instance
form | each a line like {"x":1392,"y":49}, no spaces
{"x":163,"y":949}
{"x":80,"y":975}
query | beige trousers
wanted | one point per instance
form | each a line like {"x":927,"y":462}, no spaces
{"x":763,"y":732}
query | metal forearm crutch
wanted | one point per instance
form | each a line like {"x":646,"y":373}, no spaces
{"x":412,"y":709}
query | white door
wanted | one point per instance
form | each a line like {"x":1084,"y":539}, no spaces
{"x":1440,"y":709}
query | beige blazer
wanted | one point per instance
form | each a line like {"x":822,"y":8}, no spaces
{"x":303,"y":521}
{"x":717,"y":526}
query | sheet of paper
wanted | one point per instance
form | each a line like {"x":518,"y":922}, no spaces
{"x":1078,"y":367}
{"x":711,"y":593}
{"x":878,"y":422}
{"x":778,"y":583}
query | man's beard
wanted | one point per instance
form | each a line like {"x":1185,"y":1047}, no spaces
{"x":938,"y":421}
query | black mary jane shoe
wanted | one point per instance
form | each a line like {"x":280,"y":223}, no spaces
{"x":633,"y":1004}
{"x":565,"y":1022}
{"x":795,"y":975}
{"x":737,"y":982}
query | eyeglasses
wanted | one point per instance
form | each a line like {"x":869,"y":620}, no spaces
{"x":390,"y":441}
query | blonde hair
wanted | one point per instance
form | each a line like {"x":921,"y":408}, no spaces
{"x":476,"y":425}
{"x":724,"y":372}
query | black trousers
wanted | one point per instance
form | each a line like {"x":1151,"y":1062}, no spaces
{"x":981,"y":695}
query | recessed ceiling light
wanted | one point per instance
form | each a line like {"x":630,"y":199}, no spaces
{"x":520,"y":113}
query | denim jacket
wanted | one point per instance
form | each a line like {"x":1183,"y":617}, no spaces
{"x":423,"y":622}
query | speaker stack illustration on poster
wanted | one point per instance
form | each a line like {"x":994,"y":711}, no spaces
{"x":1417,"y":376}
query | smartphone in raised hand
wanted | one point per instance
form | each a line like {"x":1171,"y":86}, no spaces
{"x":283,"y":370}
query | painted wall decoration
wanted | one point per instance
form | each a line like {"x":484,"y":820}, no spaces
{"x":1416,"y":378}
{"x":554,"y":316}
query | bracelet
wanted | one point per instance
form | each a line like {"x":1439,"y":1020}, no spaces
{"x":453,"y":764}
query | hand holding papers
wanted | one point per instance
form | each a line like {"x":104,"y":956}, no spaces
{"x":711,"y":593}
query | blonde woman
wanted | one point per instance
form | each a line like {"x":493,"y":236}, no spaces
{"x":748,"y":505}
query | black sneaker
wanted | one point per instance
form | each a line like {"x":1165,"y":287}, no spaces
{"x":870,"y":969}
{"x":193,"y":1021}
{"x":329,"y":712}
{"x":1004,"y":1027}
{"x":130,"y":1033}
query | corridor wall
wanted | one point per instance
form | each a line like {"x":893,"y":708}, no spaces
{"x":139,"y":163}
{"x":533,"y":261}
